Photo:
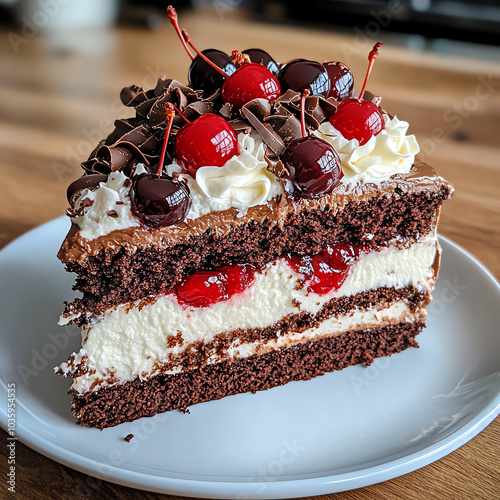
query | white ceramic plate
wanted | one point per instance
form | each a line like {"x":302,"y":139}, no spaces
{"x":337,"y":432}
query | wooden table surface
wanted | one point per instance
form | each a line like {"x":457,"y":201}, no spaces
{"x":59,"y":95}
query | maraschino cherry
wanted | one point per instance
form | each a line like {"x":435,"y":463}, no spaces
{"x":313,"y":166}
{"x":302,"y":74}
{"x":206,"y":288}
{"x":326,"y":270}
{"x":249,"y":81}
{"x":358,"y":119}
{"x":341,"y":79}
{"x":207,"y":141}
{"x":201,"y":75}
{"x":157,"y":200}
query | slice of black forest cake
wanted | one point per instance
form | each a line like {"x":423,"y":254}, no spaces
{"x":244,"y":231}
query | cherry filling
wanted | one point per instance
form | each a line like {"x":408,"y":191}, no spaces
{"x":323,"y":272}
{"x":328,"y":269}
{"x":206,"y":288}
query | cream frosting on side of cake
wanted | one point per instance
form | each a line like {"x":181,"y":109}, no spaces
{"x":245,"y":182}
{"x":129,"y":339}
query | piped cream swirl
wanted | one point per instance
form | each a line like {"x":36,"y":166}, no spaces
{"x":390,"y":152}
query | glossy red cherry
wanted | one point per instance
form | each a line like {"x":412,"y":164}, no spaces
{"x":313,"y":166}
{"x":302,"y":74}
{"x":159,"y":201}
{"x":206,"y":288}
{"x":250,"y":81}
{"x":359,"y":120}
{"x":207,"y":141}
{"x":328,"y":269}
{"x":341,"y":79}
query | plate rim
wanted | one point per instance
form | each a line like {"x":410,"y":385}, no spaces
{"x":279,"y":488}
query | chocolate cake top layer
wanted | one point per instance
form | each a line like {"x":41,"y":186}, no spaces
{"x":421,"y":178}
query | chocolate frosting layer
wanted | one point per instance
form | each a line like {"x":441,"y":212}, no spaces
{"x":422,"y":178}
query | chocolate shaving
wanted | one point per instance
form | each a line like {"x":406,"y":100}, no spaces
{"x":198,"y":108}
{"x":168,"y":85}
{"x":240,"y":125}
{"x":132,"y":95}
{"x":269,"y":136}
{"x":84,"y":182}
{"x":227,"y":110}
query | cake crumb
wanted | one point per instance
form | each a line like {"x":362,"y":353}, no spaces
{"x":129,"y":437}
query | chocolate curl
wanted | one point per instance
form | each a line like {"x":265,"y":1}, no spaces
{"x":91,"y":182}
{"x":287,"y":127}
{"x":113,"y":158}
{"x":289,"y":97}
{"x":198,"y":108}
{"x":168,"y":85}
{"x":240,"y":126}
{"x":132,"y":95}
{"x":227,"y":110}
{"x":269,"y":136}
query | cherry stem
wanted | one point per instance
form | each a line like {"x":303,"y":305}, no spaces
{"x":371,"y":57}
{"x":172,"y":14}
{"x":170,"y":112}
{"x":239,"y":59}
{"x":305,"y":95}
{"x":179,"y":113}
{"x":187,"y":38}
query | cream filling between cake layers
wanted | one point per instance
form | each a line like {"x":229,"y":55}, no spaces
{"x":142,"y":339}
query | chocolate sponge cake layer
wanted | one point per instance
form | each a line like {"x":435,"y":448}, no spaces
{"x":124,"y":403}
{"x":110,"y":278}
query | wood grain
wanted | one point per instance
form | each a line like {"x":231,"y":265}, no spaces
{"x":60,"y":95}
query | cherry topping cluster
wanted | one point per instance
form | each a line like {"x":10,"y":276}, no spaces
{"x":312,"y":167}
{"x":328,"y":269}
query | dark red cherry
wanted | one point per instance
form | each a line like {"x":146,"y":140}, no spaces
{"x":356,"y":119}
{"x":262,"y":57}
{"x":328,"y":269}
{"x":301,"y":74}
{"x":203,"y":76}
{"x":159,"y":201}
{"x":207,"y":141}
{"x":206,"y":288}
{"x":313,"y":166}
{"x":250,"y":81}
{"x":341,"y":80}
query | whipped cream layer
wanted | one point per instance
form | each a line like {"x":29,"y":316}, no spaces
{"x":132,"y":340}
{"x":390,"y":152}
